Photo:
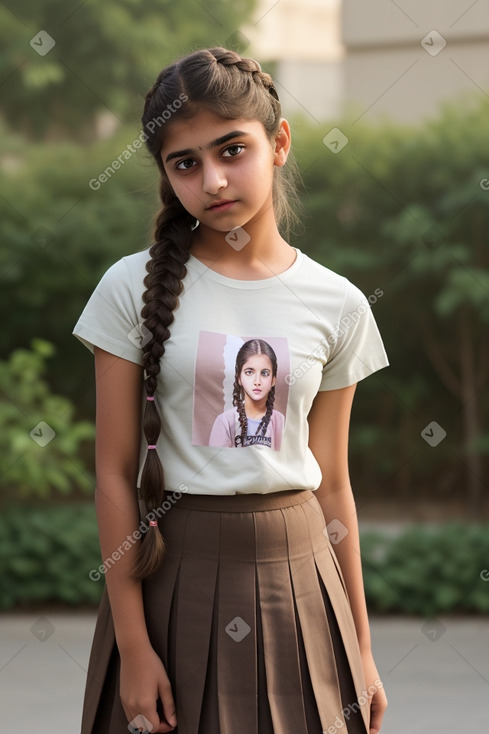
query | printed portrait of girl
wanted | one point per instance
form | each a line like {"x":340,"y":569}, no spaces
{"x":253,"y":419}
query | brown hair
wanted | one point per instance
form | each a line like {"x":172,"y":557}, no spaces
{"x":220,"y":81}
{"x":250,"y":348}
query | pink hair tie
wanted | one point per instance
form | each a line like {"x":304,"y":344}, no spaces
{"x":149,"y":397}
{"x":151,"y":446}
{"x":153,"y":523}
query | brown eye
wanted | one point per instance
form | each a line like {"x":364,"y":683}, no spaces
{"x":234,"y":148}
{"x":186,"y":168}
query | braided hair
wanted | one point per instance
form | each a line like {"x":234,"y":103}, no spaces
{"x":249,"y":349}
{"x":220,"y":81}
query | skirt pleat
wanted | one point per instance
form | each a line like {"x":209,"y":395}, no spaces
{"x":237,"y":687}
{"x":282,"y":664}
{"x":313,"y":620}
{"x":193,"y":619}
{"x":250,"y":616}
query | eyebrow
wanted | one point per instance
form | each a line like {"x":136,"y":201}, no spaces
{"x":213,"y":144}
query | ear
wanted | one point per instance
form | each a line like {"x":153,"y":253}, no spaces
{"x":282,"y":143}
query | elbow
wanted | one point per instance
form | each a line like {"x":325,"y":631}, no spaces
{"x":115,"y":487}
{"x":329,"y":487}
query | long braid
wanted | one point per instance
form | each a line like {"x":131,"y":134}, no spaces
{"x":166,"y":271}
{"x":238,"y":402}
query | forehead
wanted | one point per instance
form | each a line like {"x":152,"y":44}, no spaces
{"x":258,"y":360}
{"x":201,"y":129}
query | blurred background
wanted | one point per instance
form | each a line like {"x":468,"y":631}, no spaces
{"x":389,"y":107}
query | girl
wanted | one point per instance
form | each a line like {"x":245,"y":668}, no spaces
{"x":253,"y":397}
{"x":226,"y":608}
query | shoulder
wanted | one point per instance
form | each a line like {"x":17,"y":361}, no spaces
{"x":123,"y":282}
{"x":229,"y":415}
{"x":130,"y":268}
{"x":336,"y":287}
{"x":316,"y":275}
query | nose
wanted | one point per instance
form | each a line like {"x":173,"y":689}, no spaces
{"x":213,"y":178}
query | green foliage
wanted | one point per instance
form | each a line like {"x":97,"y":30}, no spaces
{"x":427,"y":571}
{"x":46,"y":555}
{"x":406,"y":209}
{"x":104,"y":55}
{"x":60,"y":236}
{"x":39,"y":438}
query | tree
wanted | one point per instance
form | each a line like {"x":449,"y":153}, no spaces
{"x":445,"y":228}
{"x":407,"y":209}
{"x":105,"y":55}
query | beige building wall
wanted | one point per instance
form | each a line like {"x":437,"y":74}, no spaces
{"x":397,"y":64}
{"x":303,"y":38}
{"x":373,"y":58}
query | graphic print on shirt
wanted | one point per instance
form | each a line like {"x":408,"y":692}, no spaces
{"x":240,"y":394}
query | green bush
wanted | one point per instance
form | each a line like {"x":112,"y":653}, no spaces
{"x":427,"y":571}
{"x":47,"y":553}
{"x":404,"y":208}
{"x":39,"y":438}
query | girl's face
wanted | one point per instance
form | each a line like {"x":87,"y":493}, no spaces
{"x":256,"y":376}
{"x":209,"y":159}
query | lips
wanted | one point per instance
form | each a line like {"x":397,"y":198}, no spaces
{"x":221,"y":204}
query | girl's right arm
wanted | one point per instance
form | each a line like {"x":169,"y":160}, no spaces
{"x":119,"y":386}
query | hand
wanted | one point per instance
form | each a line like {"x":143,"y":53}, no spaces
{"x":143,"y":679}
{"x":375,"y":692}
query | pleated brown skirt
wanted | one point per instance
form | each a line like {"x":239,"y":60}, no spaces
{"x":250,"y":616}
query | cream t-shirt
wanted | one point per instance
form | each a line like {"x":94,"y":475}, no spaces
{"x":317,"y":324}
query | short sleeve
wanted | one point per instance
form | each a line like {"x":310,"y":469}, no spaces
{"x":357,"y":349}
{"x":110,"y":319}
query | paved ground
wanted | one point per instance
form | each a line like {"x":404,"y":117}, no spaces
{"x":434,"y":686}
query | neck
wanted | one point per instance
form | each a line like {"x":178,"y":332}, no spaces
{"x":264,"y":245}
{"x":255,"y":409}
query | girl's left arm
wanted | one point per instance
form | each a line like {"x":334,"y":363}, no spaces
{"x":329,"y":421}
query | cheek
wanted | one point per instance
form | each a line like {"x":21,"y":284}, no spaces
{"x":261,"y":173}
{"x":184,"y":190}
{"x":184,"y":187}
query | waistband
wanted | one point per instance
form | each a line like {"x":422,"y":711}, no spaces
{"x":252,"y":502}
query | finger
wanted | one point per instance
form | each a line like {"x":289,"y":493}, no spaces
{"x":376,"y":716}
{"x":167,"y":702}
{"x":163,"y":728}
